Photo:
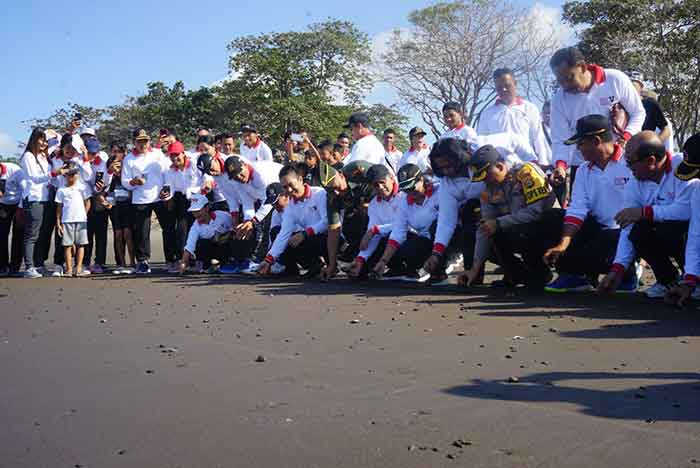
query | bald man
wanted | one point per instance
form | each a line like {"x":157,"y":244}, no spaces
{"x":655,"y":217}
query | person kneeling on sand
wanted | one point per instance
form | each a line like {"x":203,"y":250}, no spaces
{"x":209,"y":238}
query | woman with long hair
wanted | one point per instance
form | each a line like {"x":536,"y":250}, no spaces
{"x":37,"y":201}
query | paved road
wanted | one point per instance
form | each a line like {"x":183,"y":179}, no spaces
{"x":162,"y":372}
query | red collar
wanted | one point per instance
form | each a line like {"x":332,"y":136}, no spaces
{"x":95,"y":162}
{"x":306,"y":196}
{"x":617,"y":154}
{"x":517,"y":102}
{"x":598,"y":73}
{"x":212,"y":216}
{"x":3,"y":169}
{"x":460,"y":127}
{"x":413,"y":149}
{"x":428,"y":193}
{"x":220,"y":160}
{"x":255,"y":146}
{"x":187,"y":165}
{"x":393,"y":193}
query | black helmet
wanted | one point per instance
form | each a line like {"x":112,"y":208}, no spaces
{"x":204,"y":162}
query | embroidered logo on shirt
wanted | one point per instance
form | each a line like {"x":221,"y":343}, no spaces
{"x":621,"y":180}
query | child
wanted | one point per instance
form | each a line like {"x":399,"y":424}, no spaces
{"x":71,"y":219}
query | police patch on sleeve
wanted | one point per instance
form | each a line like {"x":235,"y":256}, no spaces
{"x":534,"y":184}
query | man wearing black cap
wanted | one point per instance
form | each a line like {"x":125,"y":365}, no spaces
{"x":418,"y":152}
{"x":253,"y":148}
{"x":590,"y":232}
{"x":516,"y":196}
{"x":689,"y":171}
{"x":349,"y":192}
{"x":302,"y":237}
{"x":367,"y":147}
{"x":587,"y":89}
{"x":382,"y":210}
{"x":655,"y":218}
{"x":250,"y":181}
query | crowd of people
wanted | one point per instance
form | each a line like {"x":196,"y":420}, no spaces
{"x":588,"y":189}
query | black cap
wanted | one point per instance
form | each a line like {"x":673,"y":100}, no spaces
{"x":357,"y":118}
{"x":233,"y":166}
{"x":248,"y":128}
{"x":416,"y":131}
{"x":408,"y":176}
{"x":273,"y":192}
{"x":589,"y":125}
{"x":690,"y":167}
{"x":377,"y":172}
{"x":204,"y":162}
{"x":481,"y":160}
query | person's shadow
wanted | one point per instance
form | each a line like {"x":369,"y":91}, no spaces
{"x":677,"y":400}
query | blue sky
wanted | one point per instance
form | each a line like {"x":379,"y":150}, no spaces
{"x":95,"y":53}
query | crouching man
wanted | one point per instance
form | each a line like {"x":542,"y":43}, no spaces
{"x":209,"y":237}
{"x":301,"y":241}
{"x":516,"y":196}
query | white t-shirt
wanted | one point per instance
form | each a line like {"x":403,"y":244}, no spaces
{"x":368,"y":148}
{"x":72,"y":200}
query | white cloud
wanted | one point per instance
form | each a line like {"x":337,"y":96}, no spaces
{"x":546,"y":20}
{"x":8,"y":145}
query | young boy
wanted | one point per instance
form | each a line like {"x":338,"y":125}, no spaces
{"x":71,"y":219}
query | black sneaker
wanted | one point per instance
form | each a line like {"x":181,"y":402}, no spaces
{"x":143,"y":268}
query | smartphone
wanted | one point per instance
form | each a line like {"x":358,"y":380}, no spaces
{"x":99,"y":176}
{"x":166,"y":189}
{"x":3,"y":185}
{"x":297,"y":137}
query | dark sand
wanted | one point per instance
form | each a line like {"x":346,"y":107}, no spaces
{"x":161,"y":372}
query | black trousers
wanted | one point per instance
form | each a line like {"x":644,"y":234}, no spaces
{"x":412,"y":254}
{"x":307,"y":254}
{"x":11,"y":221}
{"x":142,"y":231}
{"x":658,"y":243}
{"x":176,"y":222}
{"x":354,"y":228}
{"x":530,"y":240}
{"x":209,"y":249}
{"x":97,"y":224}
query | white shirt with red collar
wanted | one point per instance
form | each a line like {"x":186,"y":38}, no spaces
{"x":306,"y":214}
{"x":220,"y":223}
{"x":252,"y":193}
{"x":692,"y":247}
{"x":609,"y":88}
{"x":669,"y":200}
{"x":463,"y":132}
{"x":186,"y":181}
{"x":522,"y":118}
{"x":599,"y":192}
{"x":12,"y":175}
{"x":415,"y":217}
{"x":150,"y":166}
{"x":258,"y":152}
{"x":417,"y":156}
{"x":368,"y":148}
{"x":381,"y":212}
{"x":393,"y":159}
{"x":98,"y":164}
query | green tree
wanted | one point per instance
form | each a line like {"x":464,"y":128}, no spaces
{"x":660,"y":38}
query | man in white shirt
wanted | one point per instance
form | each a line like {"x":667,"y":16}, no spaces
{"x":513,"y":114}
{"x":209,"y":237}
{"x":453,"y":114}
{"x":253,"y":148}
{"x":142,"y":175}
{"x":392,"y":153}
{"x":590,"y":230}
{"x":655,"y":217}
{"x":587,"y":89}
{"x":367,"y":147}
{"x":418,"y":152}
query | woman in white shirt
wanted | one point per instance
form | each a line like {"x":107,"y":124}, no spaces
{"x":39,"y":215}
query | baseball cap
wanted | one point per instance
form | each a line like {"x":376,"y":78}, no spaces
{"x":408,"y":176}
{"x":176,"y":148}
{"x":357,"y":118}
{"x":377,"y":172}
{"x":197,"y":202}
{"x":690,"y":167}
{"x":249,"y":128}
{"x":141,"y":134}
{"x":92,"y":145}
{"x":481,"y":160}
{"x":589,"y":125}
{"x":273,"y":192}
{"x":233,"y":166}
{"x":204,"y":162}
{"x":88,"y":131}
{"x":416,"y":131}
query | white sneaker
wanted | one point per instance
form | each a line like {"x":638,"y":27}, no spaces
{"x":127,"y":271}
{"x":657,"y":291}
{"x":277,"y":268}
{"x":58,"y":272}
{"x":117,"y":271}
{"x":251,"y":270}
{"x":32,"y":273}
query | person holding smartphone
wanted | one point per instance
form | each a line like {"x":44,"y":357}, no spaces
{"x":118,"y":201}
{"x":98,"y":216}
